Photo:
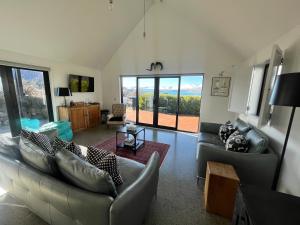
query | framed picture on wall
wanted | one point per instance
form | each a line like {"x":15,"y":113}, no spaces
{"x":220,"y":86}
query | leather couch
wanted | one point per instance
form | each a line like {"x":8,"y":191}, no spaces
{"x":59,"y":202}
{"x":256,"y":167}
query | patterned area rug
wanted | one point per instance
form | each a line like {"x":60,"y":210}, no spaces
{"x":142,"y":155}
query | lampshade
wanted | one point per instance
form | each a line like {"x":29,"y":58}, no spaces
{"x":61,"y":91}
{"x":286,"y":91}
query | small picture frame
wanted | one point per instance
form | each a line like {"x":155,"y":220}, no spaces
{"x":220,"y":86}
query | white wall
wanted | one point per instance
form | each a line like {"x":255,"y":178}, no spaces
{"x":290,"y":173}
{"x":59,"y":76}
{"x":183,"y":47}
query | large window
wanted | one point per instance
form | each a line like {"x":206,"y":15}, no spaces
{"x":25,"y":99}
{"x":170,"y":101}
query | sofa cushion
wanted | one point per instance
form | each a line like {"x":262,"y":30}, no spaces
{"x":25,"y":133}
{"x":225,"y":131}
{"x":116,"y":118}
{"x":75,"y":149}
{"x":109,"y":164}
{"x":58,"y":144}
{"x":94,"y":155}
{"x":242,"y":126}
{"x":237,"y":143}
{"x":130,"y":170}
{"x":210,"y":138}
{"x":38,"y":158}
{"x":258,"y":141}
{"x":10,"y":147}
{"x":42,"y":141}
{"x":83,"y":174}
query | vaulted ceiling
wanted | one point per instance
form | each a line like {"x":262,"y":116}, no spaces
{"x":85,"y":32}
{"x":245,"y":25}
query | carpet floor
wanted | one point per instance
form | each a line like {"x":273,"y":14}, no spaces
{"x":142,"y":155}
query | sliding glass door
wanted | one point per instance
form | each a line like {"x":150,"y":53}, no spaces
{"x":145,"y":101}
{"x":171,"y":102}
{"x":25,"y":99}
{"x":168,"y":95}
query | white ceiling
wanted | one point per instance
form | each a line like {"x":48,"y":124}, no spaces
{"x":85,"y":32}
{"x":245,"y":25}
{"x":82,"y":32}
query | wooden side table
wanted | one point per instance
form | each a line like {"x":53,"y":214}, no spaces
{"x":221,"y":185}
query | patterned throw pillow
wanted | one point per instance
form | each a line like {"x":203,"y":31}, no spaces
{"x":58,"y":144}
{"x":42,"y":141}
{"x":237,"y":132}
{"x":94,"y":155}
{"x":75,"y":149}
{"x":225,"y":131}
{"x":237,"y":143}
{"x":109,"y":164}
{"x":25,"y":133}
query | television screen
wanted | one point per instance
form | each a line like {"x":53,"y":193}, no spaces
{"x":81,"y":83}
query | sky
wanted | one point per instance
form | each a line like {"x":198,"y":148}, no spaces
{"x":187,"y":83}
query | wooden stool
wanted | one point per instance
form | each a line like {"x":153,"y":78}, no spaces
{"x":221,"y":185}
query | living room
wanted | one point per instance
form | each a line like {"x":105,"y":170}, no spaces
{"x":170,"y":75}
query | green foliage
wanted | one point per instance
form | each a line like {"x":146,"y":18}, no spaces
{"x":188,"y":105}
{"x":144,"y":101}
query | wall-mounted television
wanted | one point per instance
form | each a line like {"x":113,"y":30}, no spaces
{"x":79,"y":83}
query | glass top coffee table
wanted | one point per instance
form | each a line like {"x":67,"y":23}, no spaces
{"x":137,"y":138}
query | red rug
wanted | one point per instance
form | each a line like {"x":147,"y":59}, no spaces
{"x":142,"y":155}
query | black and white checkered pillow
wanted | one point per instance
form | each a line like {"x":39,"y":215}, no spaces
{"x":94,"y":155}
{"x":109,"y":164}
{"x":75,"y":149}
{"x":225,"y":131}
{"x":25,"y":133}
{"x":42,"y":141}
{"x":237,"y":143}
{"x":58,"y":144}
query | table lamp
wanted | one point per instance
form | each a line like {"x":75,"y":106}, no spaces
{"x":63,"y":92}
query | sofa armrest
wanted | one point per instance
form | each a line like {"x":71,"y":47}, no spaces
{"x":210,"y":127}
{"x":257,"y":169}
{"x":132,"y":205}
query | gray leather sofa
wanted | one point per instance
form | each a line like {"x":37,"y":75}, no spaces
{"x":256,"y":167}
{"x":61,"y":203}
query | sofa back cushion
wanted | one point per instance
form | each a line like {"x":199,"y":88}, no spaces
{"x":242,"y":126}
{"x":83,"y":174}
{"x":10,"y":147}
{"x":258,"y":141}
{"x":36,"y":157}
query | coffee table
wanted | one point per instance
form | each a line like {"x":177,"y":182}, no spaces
{"x":138,"y":141}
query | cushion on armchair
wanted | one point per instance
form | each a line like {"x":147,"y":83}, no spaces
{"x":116,"y":118}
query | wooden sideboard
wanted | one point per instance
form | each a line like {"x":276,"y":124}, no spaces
{"x":81,"y":117}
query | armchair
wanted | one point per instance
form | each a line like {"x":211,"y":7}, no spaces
{"x":118,"y":115}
